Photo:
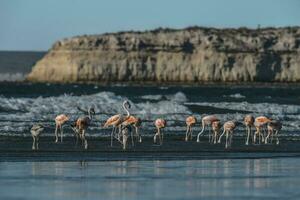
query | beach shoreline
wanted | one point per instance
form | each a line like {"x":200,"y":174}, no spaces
{"x":174,"y":148}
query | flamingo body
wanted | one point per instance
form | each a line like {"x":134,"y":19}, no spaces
{"x":259,"y":123}
{"x":159,"y":124}
{"x":60,"y":120}
{"x":190,"y":121}
{"x":207,"y":121}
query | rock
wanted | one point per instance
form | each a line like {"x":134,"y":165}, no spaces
{"x":165,"y":55}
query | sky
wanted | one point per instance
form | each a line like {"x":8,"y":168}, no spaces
{"x":37,"y":24}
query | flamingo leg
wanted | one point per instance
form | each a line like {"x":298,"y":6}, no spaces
{"x":187,"y":133}
{"x":154,"y":138}
{"x":111,"y":136}
{"x":263,"y":135}
{"x":267,"y":137}
{"x":255,"y":135}
{"x":226,"y":142}
{"x":61,"y":133}
{"x":37,"y":142}
{"x":191,"y":132}
{"x":215,"y":137}
{"x":160,"y":137}
{"x":33,"y":143}
{"x":248,"y":134}
{"x":132,"y":138}
{"x":209,"y":134}
{"x":138,"y":134}
{"x":219,"y":141}
{"x":56,"y":134}
{"x":84,"y":139}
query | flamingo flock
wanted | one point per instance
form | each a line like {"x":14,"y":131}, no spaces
{"x":127,"y":125}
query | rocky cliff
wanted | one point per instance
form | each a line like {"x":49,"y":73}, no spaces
{"x":165,"y":55}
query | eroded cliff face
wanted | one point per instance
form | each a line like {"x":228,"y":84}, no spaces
{"x":188,"y":55}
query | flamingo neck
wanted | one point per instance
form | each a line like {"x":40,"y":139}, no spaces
{"x":127,"y":111}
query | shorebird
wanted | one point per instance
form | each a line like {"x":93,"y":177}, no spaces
{"x":216,"y":127}
{"x":125,"y":130}
{"x":190,"y":122}
{"x":207,"y":121}
{"x":36,"y":131}
{"x":60,"y":120}
{"x":229,"y":127}
{"x":260,"y":125}
{"x":273,"y":126}
{"x":82,"y":124}
{"x":249,"y":122}
{"x":159,"y":124}
{"x":116,"y":120}
{"x":136,"y":123}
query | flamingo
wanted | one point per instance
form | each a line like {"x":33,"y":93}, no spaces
{"x":259,"y":124}
{"x":248,"y":121}
{"x":207,"y":121}
{"x":273,"y":125}
{"x":216,"y":126}
{"x":228,"y":127}
{"x":159,"y":124}
{"x":36,"y":131}
{"x":136,"y":123}
{"x":190,"y":121}
{"x":60,"y":120}
{"x":82,"y":124}
{"x":116,"y":120}
{"x":125,"y":133}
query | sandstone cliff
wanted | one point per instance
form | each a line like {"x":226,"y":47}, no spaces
{"x":165,"y":55}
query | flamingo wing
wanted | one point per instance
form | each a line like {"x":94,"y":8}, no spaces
{"x":113,"y":120}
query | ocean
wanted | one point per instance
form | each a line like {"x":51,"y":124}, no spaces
{"x":23,"y":104}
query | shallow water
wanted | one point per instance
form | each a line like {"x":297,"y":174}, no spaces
{"x":191,"y":179}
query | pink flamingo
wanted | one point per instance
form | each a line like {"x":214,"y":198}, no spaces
{"x":249,"y":122}
{"x":216,"y":127}
{"x":259,"y":123}
{"x":82,"y":124}
{"x":207,"y":121}
{"x":273,"y":126}
{"x":116,"y":120}
{"x":159,"y":124}
{"x":136,"y":122}
{"x":229,"y":127}
{"x":190,"y":122}
{"x":60,"y":120}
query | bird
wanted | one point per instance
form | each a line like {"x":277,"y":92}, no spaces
{"x":249,"y":122}
{"x":273,"y":126}
{"x":228,"y":127}
{"x":116,"y":120}
{"x":207,"y":121}
{"x":136,"y":122}
{"x":126,"y":130}
{"x":159,"y":124}
{"x":216,"y":126}
{"x":60,"y":120}
{"x":190,"y":122}
{"x":260,"y":124}
{"x":36,"y":131}
{"x":82,"y":124}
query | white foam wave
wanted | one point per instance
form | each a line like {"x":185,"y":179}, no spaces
{"x":237,"y":96}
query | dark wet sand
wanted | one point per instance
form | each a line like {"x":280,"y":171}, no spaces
{"x":174,"y":148}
